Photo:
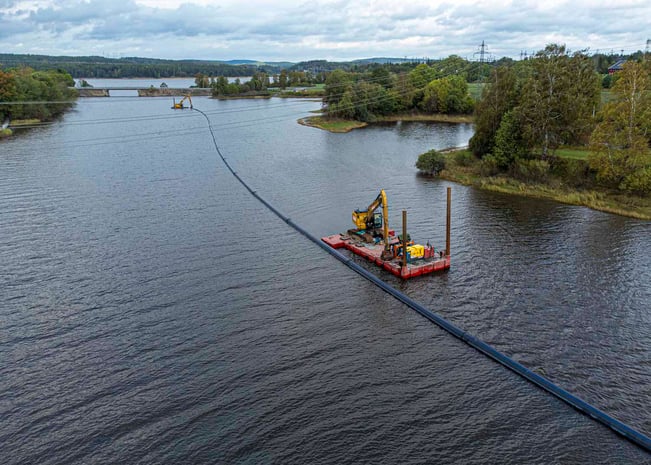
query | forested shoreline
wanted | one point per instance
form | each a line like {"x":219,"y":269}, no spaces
{"x":26,"y":94}
{"x":542,"y":127}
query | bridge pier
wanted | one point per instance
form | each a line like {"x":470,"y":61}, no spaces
{"x":92,"y":92}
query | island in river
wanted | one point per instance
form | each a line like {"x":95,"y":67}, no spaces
{"x":346,"y":125}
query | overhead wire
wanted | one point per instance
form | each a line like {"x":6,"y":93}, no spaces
{"x":227,"y":111}
{"x":139,"y":137}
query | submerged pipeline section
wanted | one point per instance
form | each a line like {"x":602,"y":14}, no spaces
{"x":591,"y":411}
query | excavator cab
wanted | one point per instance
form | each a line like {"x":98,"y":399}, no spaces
{"x":377,"y":221}
{"x":364,"y":221}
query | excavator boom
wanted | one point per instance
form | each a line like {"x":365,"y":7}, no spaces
{"x":366,"y":219}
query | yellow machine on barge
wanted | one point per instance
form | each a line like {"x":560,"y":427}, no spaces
{"x":372,"y":239}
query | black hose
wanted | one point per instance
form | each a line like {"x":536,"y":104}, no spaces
{"x":582,"y":406}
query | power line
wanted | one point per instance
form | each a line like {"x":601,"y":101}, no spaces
{"x":128,"y":138}
{"x":239,"y":110}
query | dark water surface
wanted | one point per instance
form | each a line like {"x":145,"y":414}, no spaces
{"x":152,"y":311}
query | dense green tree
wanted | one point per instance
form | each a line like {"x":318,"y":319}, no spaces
{"x":403,"y":92}
{"x":509,"y":145}
{"x":344,"y":106}
{"x":219,"y":86}
{"x":258,"y":82}
{"x":431,"y":162}
{"x":559,"y":98}
{"x":498,"y":97}
{"x":337,"y":83}
{"x":381,"y":75}
{"x":447,"y":95}
{"x":370,"y":100}
{"x":419,"y":77}
{"x":201,"y":80}
{"x":453,"y":65}
{"x":478,"y":72}
{"x":377,"y":93}
{"x":283,"y":79}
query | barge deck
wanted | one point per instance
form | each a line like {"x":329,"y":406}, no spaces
{"x":373,"y":252}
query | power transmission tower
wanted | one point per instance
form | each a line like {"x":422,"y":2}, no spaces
{"x":646,"y":50}
{"x":481,"y":52}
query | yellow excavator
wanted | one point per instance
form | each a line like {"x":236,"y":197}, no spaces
{"x":370,"y":223}
{"x":179,"y":105}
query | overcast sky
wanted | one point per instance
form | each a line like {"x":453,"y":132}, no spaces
{"x":279,"y":30}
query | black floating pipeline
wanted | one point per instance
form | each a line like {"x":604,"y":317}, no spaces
{"x":582,"y":406}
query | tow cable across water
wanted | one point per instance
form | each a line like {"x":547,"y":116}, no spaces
{"x":582,"y":406}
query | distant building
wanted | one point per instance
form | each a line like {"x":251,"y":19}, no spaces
{"x":616,"y":67}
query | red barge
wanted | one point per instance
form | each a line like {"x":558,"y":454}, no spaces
{"x":373,"y":240}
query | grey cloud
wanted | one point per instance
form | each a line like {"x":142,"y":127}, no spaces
{"x":10,"y":28}
{"x":7,"y":4}
{"x":240,"y":32}
{"x":79,"y":13}
{"x":107,"y":20}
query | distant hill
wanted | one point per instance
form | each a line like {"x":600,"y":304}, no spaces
{"x":129,"y":67}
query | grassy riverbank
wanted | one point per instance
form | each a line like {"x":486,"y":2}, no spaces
{"x":331,"y":124}
{"x":17,"y":123}
{"x":344,"y":125}
{"x":461,"y":167}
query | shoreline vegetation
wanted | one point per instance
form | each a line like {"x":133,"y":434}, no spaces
{"x":341,"y":125}
{"x":461,"y":167}
{"x":47,"y":95}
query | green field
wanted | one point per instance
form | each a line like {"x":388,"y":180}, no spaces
{"x":573,"y":153}
{"x":474,"y":89}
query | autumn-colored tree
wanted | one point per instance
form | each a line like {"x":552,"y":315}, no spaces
{"x":620,"y":142}
{"x":8,"y":92}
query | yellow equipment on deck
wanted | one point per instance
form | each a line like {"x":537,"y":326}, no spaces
{"x":179,"y":105}
{"x":373,"y":222}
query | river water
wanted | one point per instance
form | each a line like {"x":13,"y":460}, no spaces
{"x":152,"y":311}
{"x":144,"y":83}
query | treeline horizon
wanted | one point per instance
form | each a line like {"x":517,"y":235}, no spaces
{"x":139,"y":67}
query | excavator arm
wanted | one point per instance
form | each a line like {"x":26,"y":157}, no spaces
{"x":365,"y":219}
